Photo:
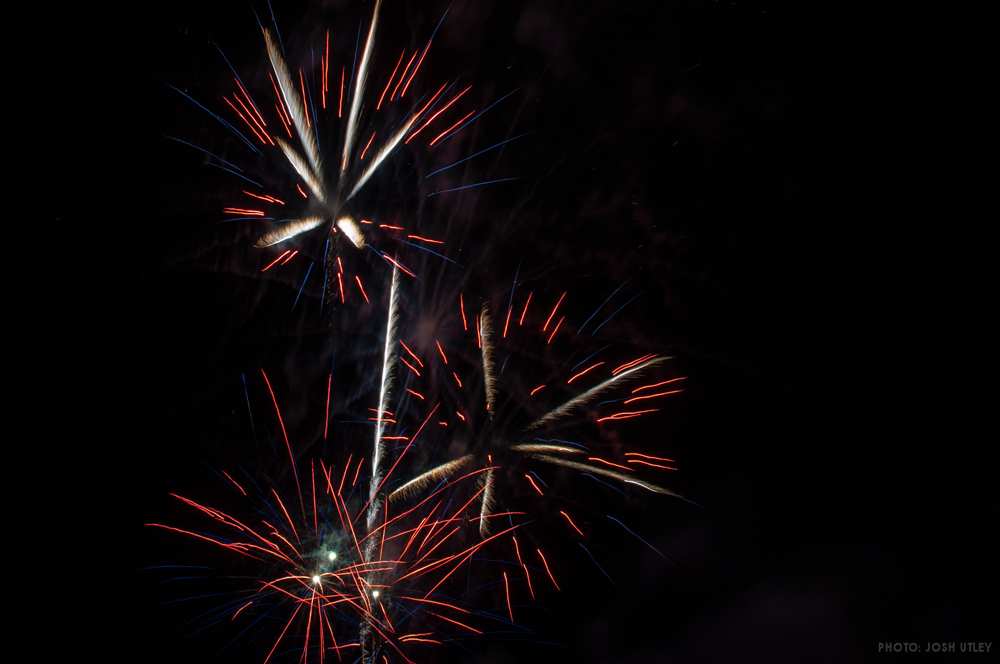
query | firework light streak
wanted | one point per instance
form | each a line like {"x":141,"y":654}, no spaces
{"x":378,"y":449}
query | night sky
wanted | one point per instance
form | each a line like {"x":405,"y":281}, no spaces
{"x":668,"y":145}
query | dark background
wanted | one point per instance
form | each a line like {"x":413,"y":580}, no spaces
{"x":682,"y":145}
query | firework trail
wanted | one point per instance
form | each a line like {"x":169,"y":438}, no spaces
{"x":375,"y":500}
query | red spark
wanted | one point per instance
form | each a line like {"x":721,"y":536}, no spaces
{"x":585,"y":371}
{"x":240,"y":610}
{"x":534,"y":486}
{"x":570,"y":521}
{"x":449,"y":129}
{"x":439,"y":112}
{"x":661,"y":383}
{"x":527,"y":574}
{"x":525,"y":310}
{"x":362,"y":288}
{"x":264,"y":197}
{"x":284,"y":433}
{"x":425,"y":239}
{"x":537,"y":389}
{"x":626,"y":415}
{"x":434,"y":602}
{"x":243,"y":211}
{"x":252,"y":128}
{"x":326,"y":75}
{"x":389,"y":82}
{"x":326,"y":418}
{"x":651,"y":396}
{"x":555,"y":329}
{"x":455,"y":622}
{"x":412,"y":354}
{"x":305,"y":101}
{"x":340,"y":102}
{"x":649,"y":456}
{"x":367,"y":145}
{"x":628,"y":365}
{"x":506,"y":590}
{"x":410,"y":367}
{"x":399,"y":265}
{"x":357,"y":472}
{"x":287,"y":516}
{"x":282,"y":635}
{"x":554,"y":309}
{"x":441,"y":351}
{"x":235,"y":483}
{"x":609,"y":463}
{"x":652,"y":465}
{"x":402,"y":76}
{"x":415,"y":70}
{"x":547,"y":570}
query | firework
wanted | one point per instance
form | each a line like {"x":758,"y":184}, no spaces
{"x":372,"y":107}
{"x":368,"y":561}
{"x":503,"y":437}
{"x":317,"y":577}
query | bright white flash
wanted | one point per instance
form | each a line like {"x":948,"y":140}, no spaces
{"x":332,"y":556}
{"x":353,"y":232}
{"x":315,"y":578}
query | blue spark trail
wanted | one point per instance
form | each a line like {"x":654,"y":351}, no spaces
{"x":471,"y":186}
{"x":431,"y":251}
{"x":246,"y":394}
{"x":615,"y":313}
{"x":613,"y":293}
{"x":242,"y":177}
{"x":564,"y":442}
{"x":607,"y":484}
{"x":309,"y":94}
{"x":357,"y":40}
{"x":479,"y":114}
{"x":201,"y":149}
{"x":483,"y":151}
{"x":637,"y":536}
{"x":326,"y":254}
{"x":584,"y":360}
{"x":276,"y":30}
{"x":229,"y":64}
{"x":226,"y":221}
{"x":513,"y":286}
{"x":221,"y":120}
{"x":304,"y":280}
{"x":597,"y":564}
{"x":539,"y":479}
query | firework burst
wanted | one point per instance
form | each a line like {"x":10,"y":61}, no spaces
{"x":318,"y":578}
{"x":333,"y":129}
